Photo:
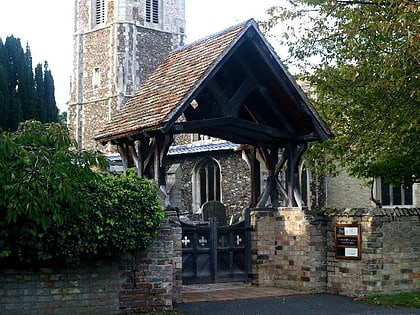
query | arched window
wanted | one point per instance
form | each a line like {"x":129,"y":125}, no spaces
{"x":206,"y":182}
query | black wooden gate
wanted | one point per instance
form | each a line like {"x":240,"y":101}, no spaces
{"x":216,"y":254}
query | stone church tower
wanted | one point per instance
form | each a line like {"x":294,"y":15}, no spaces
{"x":117,"y":44}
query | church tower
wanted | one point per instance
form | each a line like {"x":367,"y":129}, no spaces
{"x":117,"y":44}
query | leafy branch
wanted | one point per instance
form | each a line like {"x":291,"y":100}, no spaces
{"x":361,"y":59}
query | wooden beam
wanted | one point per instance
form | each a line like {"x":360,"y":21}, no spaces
{"x":231,"y":106}
{"x":202,"y":126}
{"x":269,"y":157}
{"x":140,"y":161}
{"x":163,"y":142}
{"x":280,"y":113}
{"x":294,"y":92}
{"x":220,"y":96}
{"x":122,"y":149}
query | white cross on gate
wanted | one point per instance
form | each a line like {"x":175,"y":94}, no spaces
{"x":185,"y":241}
{"x":238,"y":239}
{"x":202,"y":241}
{"x":223,"y":241}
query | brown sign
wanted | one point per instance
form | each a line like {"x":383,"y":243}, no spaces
{"x":348,"y":241}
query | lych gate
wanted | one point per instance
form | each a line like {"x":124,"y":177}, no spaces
{"x":230,"y":86}
{"x":213,"y":253}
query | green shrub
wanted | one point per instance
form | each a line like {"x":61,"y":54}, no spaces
{"x":124,"y":214}
{"x":55,"y":208}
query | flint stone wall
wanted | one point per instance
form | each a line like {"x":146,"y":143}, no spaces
{"x":234,"y":180}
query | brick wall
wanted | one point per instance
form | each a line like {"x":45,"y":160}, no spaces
{"x":289,"y":249}
{"x":295,"y":248}
{"x":390,"y":260}
{"x":145,"y":280}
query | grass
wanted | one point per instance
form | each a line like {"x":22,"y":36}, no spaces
{"x":410,"y":300}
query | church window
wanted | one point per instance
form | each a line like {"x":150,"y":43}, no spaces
{"x":394,"y":195}
{"x":100,"y":12}
{"x":152,"y":11}
{"x":206,"y":182}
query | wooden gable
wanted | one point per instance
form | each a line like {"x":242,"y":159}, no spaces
{"x":232,"y":86}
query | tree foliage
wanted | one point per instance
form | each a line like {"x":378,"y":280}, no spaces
{"x":24,"y":94}
{"x":40,"y":175}
{"x":54,"y":206}
{"x":362,"y":60}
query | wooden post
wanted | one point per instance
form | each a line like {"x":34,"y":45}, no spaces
{"x":294,"y":155}
{"x":251,"y":157}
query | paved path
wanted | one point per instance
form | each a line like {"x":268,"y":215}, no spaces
{"x":230,"y":291}
{"x":251,"y":300}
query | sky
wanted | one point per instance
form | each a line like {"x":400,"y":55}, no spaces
{"x":47,"y":26}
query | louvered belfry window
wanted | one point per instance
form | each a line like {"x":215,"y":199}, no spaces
{"x":152,"y":11}
{"x":100,"y":12}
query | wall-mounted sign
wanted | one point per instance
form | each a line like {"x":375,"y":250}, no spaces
{"x":348,"y":241}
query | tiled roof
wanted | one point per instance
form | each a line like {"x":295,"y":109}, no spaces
{"x":157,"y":100}
{"x":201,"y":147}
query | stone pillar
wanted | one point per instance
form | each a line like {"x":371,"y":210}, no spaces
{"x":288,"y":249}
{"x":153,"y":278}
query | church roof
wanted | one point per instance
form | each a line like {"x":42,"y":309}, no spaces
{"x":230,"y":85}
{"x":202,"y":147}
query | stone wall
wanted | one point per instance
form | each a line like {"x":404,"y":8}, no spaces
{"x":111,"y":60}
{"x":235,"y":177}
{"x":292,"y":248}
{"x":390,"y":256}
{"x":147,"y":280}
{"x":344,"y":191}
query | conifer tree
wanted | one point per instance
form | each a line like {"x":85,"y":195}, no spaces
{"x":4,"y":91}
{"x":40,"y":93}
{"x":50,"y":105}
{"x":24,"y":94}
{"x":26,"y":86}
